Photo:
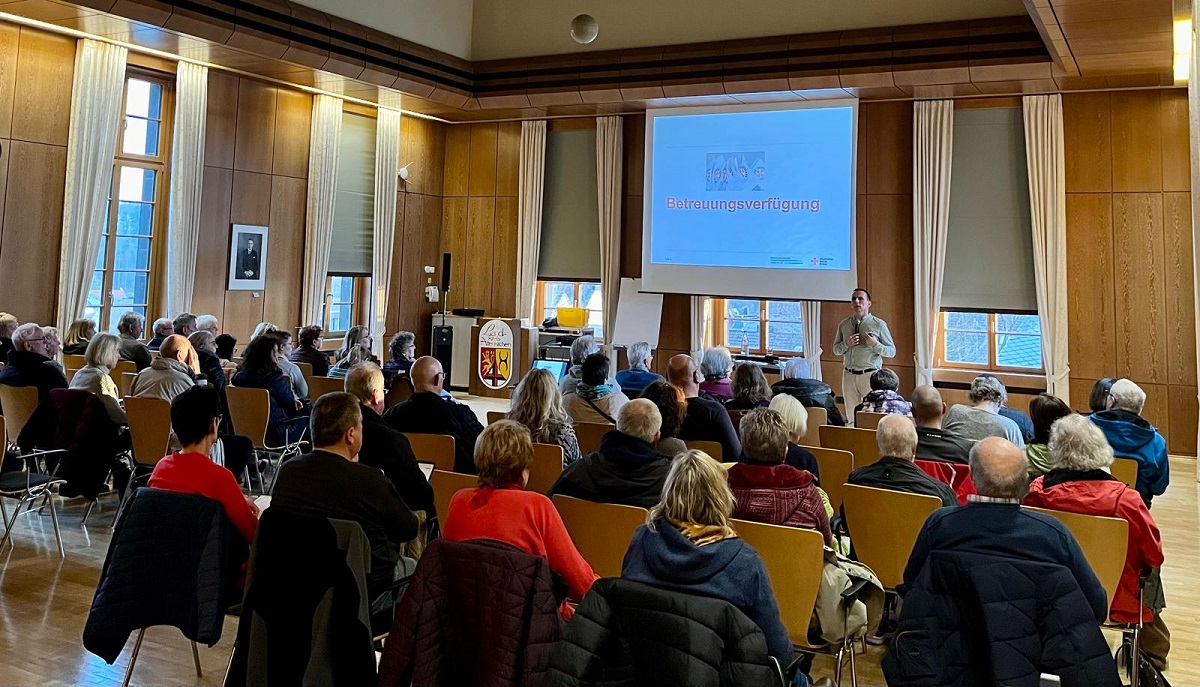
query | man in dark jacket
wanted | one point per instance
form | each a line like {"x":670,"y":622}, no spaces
{"x":897,"y":439}
{"x":627,"y":469}
{"x":812,"y":393}
{"x":29,"y":364}
{"x":130,"y":327}
{"x":384,"y":447}
{"x":1131,"y":436}
{"x":162,"y":329}
{"x":933,"y":442}
{"x":427,"y":412}
{"x":706,"y":420}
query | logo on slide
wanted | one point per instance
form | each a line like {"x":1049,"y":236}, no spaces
{"x":736,"y":171}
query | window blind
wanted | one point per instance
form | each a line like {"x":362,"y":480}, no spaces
{"x":570,"y":248}
{"x":354,"y":206}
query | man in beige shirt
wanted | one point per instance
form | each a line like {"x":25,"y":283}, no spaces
{"x":863,"y":341}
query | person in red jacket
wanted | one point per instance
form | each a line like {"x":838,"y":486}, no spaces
{"x":195,"y":414}
{"x":1080,"y":482}
{"x":500,"y":509}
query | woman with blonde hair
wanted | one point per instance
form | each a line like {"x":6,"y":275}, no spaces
{"x":538,"y":405}
{"x":78,"y":334}
{"x":357,"y":356}
{"x":103,"y":352}
{"x":688,"y":545}
{"x":357,"y":336}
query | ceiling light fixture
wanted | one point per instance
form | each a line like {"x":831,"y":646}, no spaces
{"x":584,"y":29}
{"x":1183,"y":49}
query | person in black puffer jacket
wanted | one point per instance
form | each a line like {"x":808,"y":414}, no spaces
{"x":813,"y":393}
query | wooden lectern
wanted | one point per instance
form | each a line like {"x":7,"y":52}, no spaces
{"x":502,"y":352}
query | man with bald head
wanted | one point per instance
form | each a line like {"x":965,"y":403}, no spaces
{"x":706,"y":419}
{"x":173,"y":372}
{"x":428,"y":412}
{"x":897,"y":439}
{"x":933,"y":442}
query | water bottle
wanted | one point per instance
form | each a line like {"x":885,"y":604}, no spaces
{"x":745,"y":342}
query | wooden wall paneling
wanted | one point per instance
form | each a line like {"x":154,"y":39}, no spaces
{"x":504,"y":271}
{"x":212,"y":252}
{"x":5,"y":153}
{"x":32,"y":229}
{"x":890,"y":273}
{"x":1176,"y":146}
{"x":862,"y":253}
{"x":42,"y":92}
{"x":1087,"y":136}
{"x":423,"y":146}
{"x":454,"y":241}
{"x":1091,"y":286}
{"x":255,"y":143}
{"x":458,"y":160}
{"x":631,"y":236}
{"x":251,"y":199}
{"x":1081,"y":389}
{"x":243,"y":312}
{"x":481,"y":169}
{"x":285,"y":251}
{"x":508,"y":159}
{"x":10,"y":38}
{"x":889,"y":146}
{"x":481,"y":253}
{"x":675,"y":332}
{"x":1181,"y":411}
{"x":1141,"y":296}
{"x":634,"y":142}
{"x":1180,"y":297}
{"x":1156,"y":410}
{"x":220,"y":129}
{"x":1137,"y":164}
{"x":431,"y":254}
{"x":293,"y":126}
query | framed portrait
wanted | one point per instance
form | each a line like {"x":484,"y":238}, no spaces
{"x":248,"y":258}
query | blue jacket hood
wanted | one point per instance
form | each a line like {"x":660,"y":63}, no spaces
{"x":1129,"y":437}
{"x":671,"y":555}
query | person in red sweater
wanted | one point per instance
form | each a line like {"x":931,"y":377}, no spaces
{"x":195,"y":415}
{"x":500,"y":509}
{"x":1079,"y":482}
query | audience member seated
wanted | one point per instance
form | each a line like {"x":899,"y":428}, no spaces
{"x":749,"y":387}
{"x":130,"y":328}
{"x":162,"y":329}
{"x":1044,"y":410}
{"x":581,"y":348}
{"x":78,"y":335}
{"x":1080,"y":482}
{"x":715,"y":365}
{"x":635,"y":380}
{"x":933,"y":442}
{"x":330,"y":483}
{"x":501,"y":510}
{"x":357,"y":335}
{"x":293,"y":374}
{"x":53,"y":346}
{"x":1017,"y":416}
{"x":1098,"y":398}
{"x":184,"y":324}
{"x":672,"y":407}
{"x":428,"y":412}
{"x":384,"y":447}
{"x":705,"y":420}
{"x":1131,"y":436}
{"x":982,"y":418}
{"x":768,"y":490}
{"x":102,"y":354}
{"x":883,"y":397}
{"x":357,"y":356}
{"x":208,"y":323}
{"x":813,"y":393}
{"x":795,"y":420}
{"x":897,"y":439}
{"x":260,"y":370}
{"x":688,"y":544}
{"x":309,"y":351}
{"x":29,"y":362}
{"x":402,"y":351}
{"x":173,"y":372}
{"x":627,"y":469}
{"x":226,"y":343}
{"x":594,"y":399}
{"x":206,"y":354}
{"x":538,"y":404}
{"x":8,"y":325}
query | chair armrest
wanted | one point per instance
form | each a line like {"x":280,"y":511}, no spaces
{"x":853,"y":591}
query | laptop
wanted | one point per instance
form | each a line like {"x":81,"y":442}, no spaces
{"x":426,"y":468}
{"x":558,"y":368}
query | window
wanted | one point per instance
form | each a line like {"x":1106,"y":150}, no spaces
{"x":345,"y":298}
{"x":749,"y":326}
{"x":124,"y":278}
{"x":993,"y":341}
{"x":552,"y":295}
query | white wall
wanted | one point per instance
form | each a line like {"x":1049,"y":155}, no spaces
{"x":439,"y":24}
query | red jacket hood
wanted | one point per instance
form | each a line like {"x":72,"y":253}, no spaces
{"x":1094,"y":497}
{"x":781,"y":476}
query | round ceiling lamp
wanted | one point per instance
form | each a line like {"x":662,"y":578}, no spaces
{"x":584,"y":29}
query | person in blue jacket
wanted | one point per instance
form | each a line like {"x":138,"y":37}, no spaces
{"x":1131,"y":436}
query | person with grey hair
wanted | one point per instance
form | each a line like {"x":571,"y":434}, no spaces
{"x":208,"y":323}
{"x":627,"y":469}
{"x":184,"y":324}
{"x":982,"y":418}
{"x":130,"y":328}
{"x":403,"y":350}
{"x":1024,"y":422}
{"x":581,"y":349}
{"x":884,"y":397}
{"x":635,"y":380}
{"x":812,"y":393}
{"x":8,"y":325}
{"x":103,"y":352}
{"x":162,"y":329}
{"x":30,"y":365}
{"x":1081,"y":482}
{"x":895,"y":470}
{"x":715,"y":365}
{"x":1132,"y":436}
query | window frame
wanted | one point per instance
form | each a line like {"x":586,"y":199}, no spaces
{"x":940,"y":362}
{"x":539,"y":300}
{"x":360,"y":296}
{"x":718,"y":333}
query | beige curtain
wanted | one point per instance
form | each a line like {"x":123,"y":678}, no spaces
{"x":187,"y":181}
{"x":324,"y":142}
{"x":810,"y":323}
{"x":387,"y":179}
{"x":91,"y":145}
{"x":701,"y":319}
{"x":1194,"y":129}
{"x":933,"y":145}
{"x":608,"y":193}
{"x":1048,"y":211}
{"x":531,"y":180}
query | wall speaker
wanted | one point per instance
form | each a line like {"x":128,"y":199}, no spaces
{"x":445,"y":272}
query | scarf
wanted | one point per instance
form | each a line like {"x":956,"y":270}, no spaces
{"x":703,"y":535}
{"x":638,"y":367}
{"x":593,"y":393}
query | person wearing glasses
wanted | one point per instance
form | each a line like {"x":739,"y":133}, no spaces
{"x":29,"y":362}
{"x":309,"y":350}
{"x":428,"y":411}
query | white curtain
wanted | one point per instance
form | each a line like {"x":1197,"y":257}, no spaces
{"x":387,"y":179}
{"x":608,"y":193}
{"x":933,"y":145}
{"x":1194,"y":129}
{"x":531,"y":180}
{"x":91,"y":145}
{"x":324,"y":142}
{"x":1048,"y":210}
{"x":187,"y":181}
{"x":701,"y":316}
{"x":810,"y":322}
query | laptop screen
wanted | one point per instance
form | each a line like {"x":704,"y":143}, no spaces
{"x":557,"y":367}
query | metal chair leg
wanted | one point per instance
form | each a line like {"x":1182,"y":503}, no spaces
{"x":1135,"y":651}
{"x":853,"y":669}
{"x":8,"y":526}
{"x":196,"y":658}
{"x":54,"y":521}
{"x":86,"y":513}
{"x":133,"y":657}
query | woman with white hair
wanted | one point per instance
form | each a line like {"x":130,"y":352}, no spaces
{"x":795,"y":419}
{"x":1080,"y":482}
{"x":813,"y":393}
{"x":102,"y":353}
{"x":715,"y":365}
{"x":635,"y":380}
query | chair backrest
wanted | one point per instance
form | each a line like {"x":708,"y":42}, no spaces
{"x":794,"y":559}
{"x":589,"y":435}
{"x":445,"y":484}
{"x":18,"y":403}
{"x":494,"y":416}
{"x":601,"y":531}
{"x":1126,"y":470}
{"x":735,"y":416}
{"x":74,"y":361}
{"x":122,"y":367}
{"x":860,"y":442}
{"x":149,"y":428}
{"x":69,"y":373}
{"x":319,"y":386}
{"x":865,"y":419}
{"x":1103,"y":540}
{"x":547,"y":466}
{"x":306,"y":369}
{"x":250,"y":412}
{"x":712,"y":448}
{"x":433,"y":448}
{"x":125,"y":383}
{"x":884,"y":525}
{"x":816,"y":418}
{"x":836,"y":467}
{"x":957,"y":475}
{"x":401,"y":391}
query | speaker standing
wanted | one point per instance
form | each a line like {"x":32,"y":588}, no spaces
{"x":863,"y":341}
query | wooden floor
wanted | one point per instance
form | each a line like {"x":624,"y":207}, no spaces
{"x":44,"y":601}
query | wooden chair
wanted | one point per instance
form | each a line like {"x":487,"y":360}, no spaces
{"x":816,"y":418}
{"x":319,"y":386}
{"x":735,"y":416}
{"x":72,"y":361}
{"x":884,"y":525}
{"x":69,"y":373}
{"x":860,"y":442}
{"x":495,"y":416}
{"x":18,"y":402}
{"x":123,"y":367}
{"x":601,"y":531}
{"x":149,"y":428}
{"x":125,"y":383}
{"x":400,"y":392}
{"x":433,"y":448}
{"x":836,"y":467}
{"x":445,"y":484}
{"x":712,"y":448}
{"x":547,"y":466}
{"x":1103,"y":540}
{"x":1126,"y":470}
{"x":589,"y":435}
{"x":306,"y":369}
{"x":865,"y":419}
{"x":250,"y":413}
